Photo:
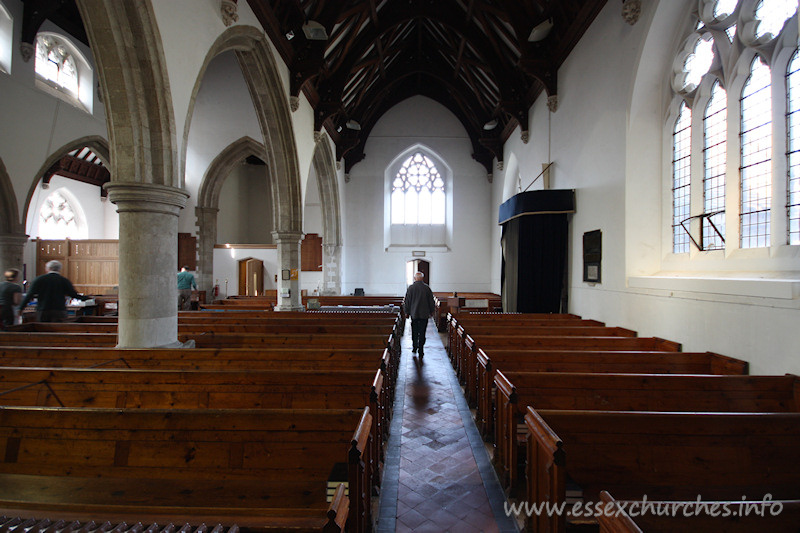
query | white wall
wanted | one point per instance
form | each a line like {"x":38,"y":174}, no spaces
{"x":226,"y":267}
{"x":245,"y":207}
{"x":36,"y":124}
{"x":606,"y":142}
{"x":466,"y":265}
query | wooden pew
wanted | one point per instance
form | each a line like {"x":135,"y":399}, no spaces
{"x":666,"y":456}
{"x":318,"y":359}
{"x":465,"y":353}
{"x":468,"y":368}
{"x":735,"y":516}
{"x":215,"y":327}
{"x":510,"y":319}
{"x":180,"y":389}
{"x":208,"y":340}
{"x":260,"y":468}
{"x":443,"y":307}
{"x":626,"y":392}
{"x":628,"y":362}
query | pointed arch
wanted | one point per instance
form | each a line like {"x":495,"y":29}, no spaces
{"x":9,"y":211}
{"x":273,"y":114}
{"x":221,"y":167}
{"x":95,"y":143}
{"x":135,"y":86}
{"x":208,"y":202}
{"x":325,"y":168}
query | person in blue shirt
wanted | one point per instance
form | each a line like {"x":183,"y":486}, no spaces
{"x":186,"y":283}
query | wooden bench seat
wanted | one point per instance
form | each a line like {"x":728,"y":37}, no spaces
{"x":215,"y":327}
{"x":231,"y":464}
{"x":611,"y":362}
{"x":666,"y":456}
{"x":464,"y":353}
{"x":733,"y":516}
{"x":454,"y":324}
{"x":468,"y":355}
{"x":626,"y":392}
{"x":230,"y":389}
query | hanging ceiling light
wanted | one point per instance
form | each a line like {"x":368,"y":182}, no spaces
{"x":541,"y":31}
{"x":492,"y":124}
{"x":315,"y":31}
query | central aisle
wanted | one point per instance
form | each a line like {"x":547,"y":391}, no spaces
{"x":437,"y":473}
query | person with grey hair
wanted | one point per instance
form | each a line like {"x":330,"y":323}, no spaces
{"x":51,"y":290}
{"x":420,"y":306}
{"x":10,"y":296}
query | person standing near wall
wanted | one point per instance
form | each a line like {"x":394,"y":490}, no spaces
{"x":51,"y":290}
{"x":186,"y":283}
{"x":10,"y":296}
{"x":420,"y":306}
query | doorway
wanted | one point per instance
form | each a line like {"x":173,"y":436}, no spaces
{"x":418,"y":265}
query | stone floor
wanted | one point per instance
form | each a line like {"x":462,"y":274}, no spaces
{"x":437,"y":474}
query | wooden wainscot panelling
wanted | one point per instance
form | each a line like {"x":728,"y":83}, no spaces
{"x":91,"y":264}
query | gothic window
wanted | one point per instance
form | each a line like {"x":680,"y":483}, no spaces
{"x":58,"y":219}
{"x":771,"y":15}
{"x":756,"y":157}
{"x":6,"y":39}
{"x":715,"y":128}
{"x":793,"y":144}
{"x":55,"y":63}
{"x":681,"y":177}
{"x":418,"y":195}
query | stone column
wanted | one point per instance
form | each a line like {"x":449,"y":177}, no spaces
{"x":12,"y":246}
{"x":207,"y":238}
{"x":331,"y":269}
{"x":288,"y":259}
{"x":148,"y":263}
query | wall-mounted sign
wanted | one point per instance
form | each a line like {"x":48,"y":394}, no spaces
{"x":417,"y":253}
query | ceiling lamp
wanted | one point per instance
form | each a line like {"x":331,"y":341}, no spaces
{"x":492,"y":124}
{"x":353,"y":125}
{"x":315,"y":31}
{"x":541,"y":31}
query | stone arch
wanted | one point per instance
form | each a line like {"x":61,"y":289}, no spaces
{"x":146,"y":184}
{"x":96,"y":144}
{"x":9,"y":211}
{"x":136,"y":91}
{"x":325,"y":168}
{"x":12,"y":237}
{"x":208,"y":202}
{"x":274,"y":117}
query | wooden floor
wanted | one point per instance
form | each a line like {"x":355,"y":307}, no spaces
{"x":437,"y":474}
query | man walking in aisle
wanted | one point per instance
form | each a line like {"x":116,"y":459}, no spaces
{"x":419,"y":305}
{"x":51,"y":290}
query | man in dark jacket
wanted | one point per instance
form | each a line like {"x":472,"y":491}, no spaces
{"x":51,"y":291}
{"x":419,"y":305}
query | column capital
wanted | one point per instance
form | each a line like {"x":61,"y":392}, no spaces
{"x":146,"y":197}
{"x":205,"y":210}
{"x":287,"y":236}
{"x":13,"y":239}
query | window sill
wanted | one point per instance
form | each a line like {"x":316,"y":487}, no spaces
{"x":778,"y":288}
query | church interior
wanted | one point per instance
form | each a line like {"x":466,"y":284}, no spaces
{"x":624,"y":171}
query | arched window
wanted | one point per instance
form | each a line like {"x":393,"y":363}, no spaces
{"x":681,"y":177}
{"x":63,"y":71}
{"x":418,"y":195}
{"x":55,"y":63}
{"x":756,"y":157}
{"x":58,"y":219}
{"x":793,"y":144}
{"x":715,"y":129}
{"x":6,"y":39}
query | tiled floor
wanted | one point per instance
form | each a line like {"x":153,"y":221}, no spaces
{"x":437,"y":474}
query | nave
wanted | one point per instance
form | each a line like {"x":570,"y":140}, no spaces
{"x":437,"y":474}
